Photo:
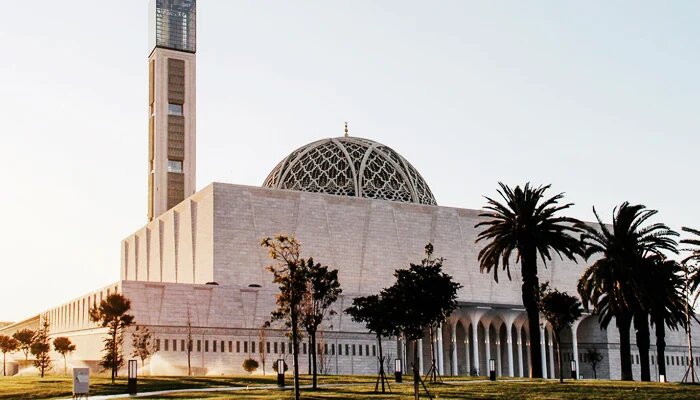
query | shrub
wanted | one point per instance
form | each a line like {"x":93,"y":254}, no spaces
{"x":274,"y":366}
{"x":250,"y":365}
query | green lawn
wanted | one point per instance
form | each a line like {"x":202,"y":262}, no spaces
{"x":57,"y":386}
{"x":537,"y":389}
{"x":54,"y":386}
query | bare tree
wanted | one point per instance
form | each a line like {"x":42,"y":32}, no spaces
{"x":594,"y":358}
{"x":190,"y":343}
{"x":142,"y":343}
{"x":288,"y":275}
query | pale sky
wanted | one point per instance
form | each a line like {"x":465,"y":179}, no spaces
{"x":598,"y":98}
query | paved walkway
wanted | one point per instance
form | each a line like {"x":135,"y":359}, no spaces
{"x":267,"y":387}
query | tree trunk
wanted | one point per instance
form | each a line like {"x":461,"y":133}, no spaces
{"x":65,"y":366}
{"x":295,"y":355}
{"x":660,"y":345}
{"x":3,"y":364}
{"x":416,"y":376}
{"x":623,"y":323}
{"x":313,"y":359}
{"x":382,"y":376}
{"x":530,"y":293}
{"x":641,"y":327}
{"x":433,"y":363}
{"x":308,"y":364}
{"x":114,"y":353}
{"x":559,"y":361}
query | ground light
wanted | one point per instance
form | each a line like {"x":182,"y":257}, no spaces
{"x":398,"y":371}
{"x":574,"y":373}
{"x":492,"y":369}
{"x":133,"y":373}
{"x":280,"y":373}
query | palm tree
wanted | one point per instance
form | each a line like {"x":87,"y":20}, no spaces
{"x":526,"y":226}
{"x":694,"y":257}
{"x":612,"y":284}
{"x":665,"y":286}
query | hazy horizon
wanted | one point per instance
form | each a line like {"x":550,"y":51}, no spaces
{"x":598,"y":99}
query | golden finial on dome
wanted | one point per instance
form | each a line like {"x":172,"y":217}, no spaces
{"x":346,"y":129}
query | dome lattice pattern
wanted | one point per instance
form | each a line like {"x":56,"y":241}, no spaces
{"x":350,"y":166}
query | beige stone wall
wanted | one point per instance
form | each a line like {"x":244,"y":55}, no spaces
{"x":365,"y":239}
{"x":175,"y":247}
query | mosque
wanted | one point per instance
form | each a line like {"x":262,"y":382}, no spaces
{"x":354,"y":204}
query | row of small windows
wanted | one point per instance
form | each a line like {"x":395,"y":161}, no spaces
{"x":670,"y":360}
{"x":270,"y":347}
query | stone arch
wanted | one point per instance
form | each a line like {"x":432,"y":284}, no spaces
{"x":461,"y":341}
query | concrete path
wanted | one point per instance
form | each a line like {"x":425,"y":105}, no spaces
{"x":266,"y":387}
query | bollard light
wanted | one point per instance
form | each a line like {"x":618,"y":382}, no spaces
{"x":662,"y":378}
{"x":280,"y":373}
{"x":398,"y":371}
{"x":492,"y":369}
{"x":574,"y":373}
{"x":132,"y":369}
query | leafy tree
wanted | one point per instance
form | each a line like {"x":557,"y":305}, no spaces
{"x":40,"y":348}
{"x":112,"y":314}
{"x":422,"y":296}
{"x":612,"y":284}
{"x":250,"y":365}
{"x":560,"y":310}
{"x":375,"y":312}
{"x":142,"y":343}
{"x":25,"y":337}
{"x":63,"y":346}
{"x":594,"y":358}
{"x":526,"y":226}
{"x":8,"y":344}
{"x":322,"y":290}
{"x":665,"y":285}
{"x":288,"y":274}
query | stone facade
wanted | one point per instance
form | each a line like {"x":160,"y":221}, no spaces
{"x":202,"y":261}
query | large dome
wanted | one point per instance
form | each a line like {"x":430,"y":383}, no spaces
{"x":351,"y":166}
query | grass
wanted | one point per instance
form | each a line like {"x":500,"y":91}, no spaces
{"x":61,"y":386}
{"x":362,"y":388}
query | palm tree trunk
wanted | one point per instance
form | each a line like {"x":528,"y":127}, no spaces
{"x":660,"y":344}
{"x":3,"y":364}
{"x":641,"y":326}
{"x":530,"y":293}
{"x":623,"y":322}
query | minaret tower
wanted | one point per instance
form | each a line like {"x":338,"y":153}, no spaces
{"x":171,"y":103}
